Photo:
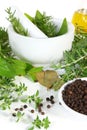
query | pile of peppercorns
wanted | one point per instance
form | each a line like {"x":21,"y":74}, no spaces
{"x":75,"y":95}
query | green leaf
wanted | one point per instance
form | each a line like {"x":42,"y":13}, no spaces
{"x":38,"y":15}
{"x":37,"y":93}
{"x":29,"y":17}
{"x":19,"y":67}
{"x":6,"y":69}
{"x":45,"y":122}
{"x":64,"y":28}
{"x":37,"y":122}
{"x":19,"y":115}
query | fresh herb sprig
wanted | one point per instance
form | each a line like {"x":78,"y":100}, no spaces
{"x":18,"y":27}
{"x":47,"y":25}
{"x":38,"y":123}
{"x":9,"y":92}
{"x":75,"y":61}
{"x":44,"y":23}
{"x":33,"y":98}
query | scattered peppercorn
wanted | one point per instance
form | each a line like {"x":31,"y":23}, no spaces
{"x":42,"y":113}
{"x":16,"y":109}
{"x":48,"y":106}
{"x":51,"y":97}
{"x":41,"y":104}
{"x":52,"y":102}
{"x":32,"y":111}
{"x":47,"y":99}
{"x":14,"y":114}
{"x":21,"y":109}
{"x":39,"y":109}
{"x":75,"y":95}
{"x":25,"y":106}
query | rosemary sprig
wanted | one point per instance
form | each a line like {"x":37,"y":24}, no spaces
{"x":18,"y":27}
{"x":75,"y":61}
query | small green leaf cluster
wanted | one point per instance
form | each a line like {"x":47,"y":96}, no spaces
{"x":40,"y":123}
{"x":33,"y":98}
{"x":19,"y":115}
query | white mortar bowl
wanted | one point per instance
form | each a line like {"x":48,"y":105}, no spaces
{"x":41,"y":51}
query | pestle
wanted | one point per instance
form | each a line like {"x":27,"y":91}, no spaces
{"x":33,"y":30}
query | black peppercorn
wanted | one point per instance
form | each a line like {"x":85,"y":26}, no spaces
{"x":25,"y":106}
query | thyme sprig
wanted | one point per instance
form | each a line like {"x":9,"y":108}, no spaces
{"x":33,"y":98}
{"x":9,"y":92}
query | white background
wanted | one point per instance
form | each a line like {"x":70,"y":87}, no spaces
{"x":55,"y":8}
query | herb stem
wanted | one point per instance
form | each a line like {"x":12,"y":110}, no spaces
{"x":74,"y":62}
